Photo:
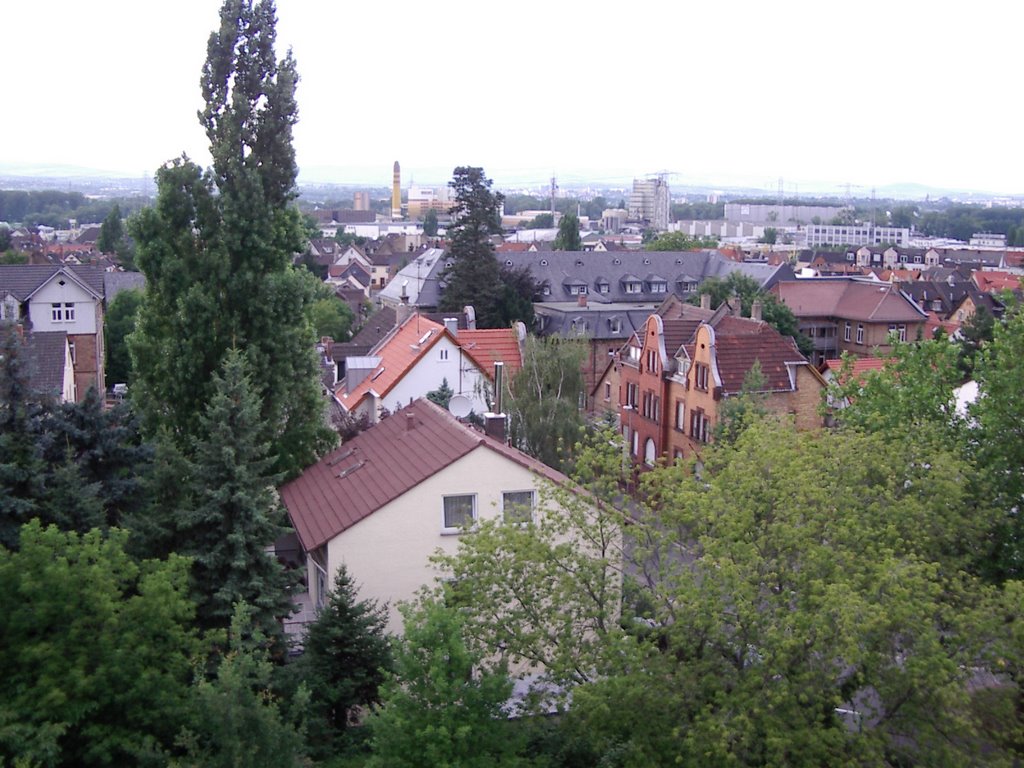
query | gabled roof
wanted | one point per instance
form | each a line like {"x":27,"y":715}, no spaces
{"x":996,"y":281}
{"x":381,"y":464}
{"x":23,"y":280}
{"x":489,"y":346}
{"x":740,"y":342}
{"x":848,"y":299}
{"x":399,"y":351}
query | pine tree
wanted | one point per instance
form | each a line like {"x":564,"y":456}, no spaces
{"x":21,"y":464}
{"x":217,"y":249}
{"x":236,"y":513}
{"x":111,"y":231}
{"x":344,"y":661}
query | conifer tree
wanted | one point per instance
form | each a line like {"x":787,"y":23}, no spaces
{"x":236,"y":512}
{"x":21,"y":465}
{"x":345,"y":658}
{"x":216,"y":250}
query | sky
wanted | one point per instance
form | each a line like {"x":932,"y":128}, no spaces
{"x":820,"y":94}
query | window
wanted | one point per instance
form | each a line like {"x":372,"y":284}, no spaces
{"x":632,"y":395}
{"x":62,"y":312}
{"x":903,"y":333}
{"x":71,"y":350}
{"x":636,"y":443}
{"x":700,"y":376}
{"x":699,"y":425}
{"x":443,"y":355}
{"x":603,"y":287}
{"x":659,"y":287}
{"x":680,"y":416}
{"x":652,"y":361}
{"x":459,"y":512}
{"x":649,"y":453}
{"x":517,"y":506}
{"x":633,"y":287}
{"x":860,"y":333}
{"x":607,"y":391}
{"x":846,"y":332}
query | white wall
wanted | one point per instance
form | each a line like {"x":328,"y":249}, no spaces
{"x":388,"y":553}
{"x":463,"y":377}
{"x":70,"y":292}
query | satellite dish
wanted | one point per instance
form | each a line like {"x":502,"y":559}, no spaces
{"x":460,"y":406}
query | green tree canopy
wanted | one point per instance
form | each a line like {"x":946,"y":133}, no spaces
{"x":217,"y":251}
{"x":112,"y":232}
{"x":568,"y":238}
{"x":119,"y":323}
{"x":97,"y":651}
{"x":430,"y":223}
{"x":443,"y":706}
{"x":677,"y":241}
{"x":545,"y":397}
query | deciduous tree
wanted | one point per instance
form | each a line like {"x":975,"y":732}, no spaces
{"x":217,"y":251}
{"x":568,"y":237}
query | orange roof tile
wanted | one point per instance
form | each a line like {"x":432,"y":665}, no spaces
{"x":995,"y":281}
{"x":487,"y":347}
{"x":398,"y":352}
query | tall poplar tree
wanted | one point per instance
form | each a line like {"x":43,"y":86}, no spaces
{"x":216,"y":250}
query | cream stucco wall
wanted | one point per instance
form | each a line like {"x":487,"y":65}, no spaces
{"x":54,"y":293}
{"x":388,"y":553}
{"x":445,"y":360}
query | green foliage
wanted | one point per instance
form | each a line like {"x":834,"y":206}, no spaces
{"x":773,"y":311}
{"x":346,"y":655}
{"x":120,"y":321}
{"x":216,"y":250}
{"x":544,"y":399}
{"x":474,"y":276}
{"x":677,"y":241}
{"x":235,"y":512}
{"x":443,"y":705}
{"x":112,"y":232}
{"x":568,"y":238}
{"x":914,"y":392}
{"x":541,"y":221}
{"x":430,"y":223}
{"x":442,"y":396}
{"x":96,"y":651}
{"x":332,"y":317}
{"x":737,"y":413}
{"x":975,"y":332}
{"x":13,"y":257}
{"x":548,"y":593}
{"x":770,"y":236}
{"x":236,"y":718}
{"x":998,"y":447}
{"x":21,"y":464}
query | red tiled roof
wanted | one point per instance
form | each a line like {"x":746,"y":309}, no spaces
{"x":512,"y":247}
{"x":859,"y":366}
{"x":995,"y":281}
{"x":381,"y":464}
{"x":737,"y":351}
{"x":489,"y":346}
{"x":399,"y":351}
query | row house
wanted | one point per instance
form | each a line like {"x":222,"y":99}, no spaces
{"x":677,"y":373}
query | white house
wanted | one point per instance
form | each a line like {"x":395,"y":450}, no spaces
{"x":388,"y":499}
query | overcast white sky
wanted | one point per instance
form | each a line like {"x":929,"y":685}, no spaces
{"x":867,"y":93}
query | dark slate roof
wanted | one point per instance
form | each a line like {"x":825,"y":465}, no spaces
{"x":604,"y":322}
{"x":561,"y":269}
{"x":379,"y":465}
{"x":46,"y":353}
{"x":375,"y":328}
{"x":115,"y":282}
{"x":22,"y":280}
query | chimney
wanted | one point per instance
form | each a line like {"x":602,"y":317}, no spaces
{"x":737,"y":306}
{"x":705,"y":301}
{"x":582,"y":300}
{"x":755,"y":309}
{"x":470,"y":314}
{"x":499,"y":386}
{"x":410,"y":421}
{"x":494,"y":426}
{"x":452,"y":325}
{"x":403,"y":312}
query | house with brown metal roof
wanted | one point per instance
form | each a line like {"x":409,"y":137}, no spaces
{"x":855,"y":315}
{"x":385,"y":501}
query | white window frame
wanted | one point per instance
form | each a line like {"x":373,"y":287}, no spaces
{"x":443,"y":354}
{"x":69,"y":312}
{"x":508,"y":507}
{"x":462,"y":527}
{"x":57,"y":312}
{"x":846,"y":332}
{"x":860,"y":333}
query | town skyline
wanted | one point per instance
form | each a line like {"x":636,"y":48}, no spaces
{"x":740,"y":98}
